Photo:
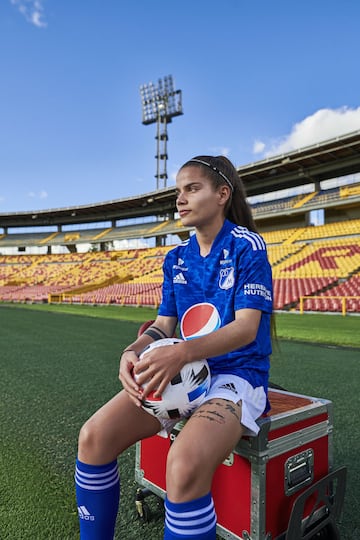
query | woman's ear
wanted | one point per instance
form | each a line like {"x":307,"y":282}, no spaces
{"x":224,"y":194}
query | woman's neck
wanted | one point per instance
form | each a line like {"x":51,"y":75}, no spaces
{"x":206,"y":236}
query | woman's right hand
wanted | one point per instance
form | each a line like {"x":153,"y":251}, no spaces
{"x":126,"y":376}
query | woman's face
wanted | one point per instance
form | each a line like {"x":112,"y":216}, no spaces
{"x":198,"y":203}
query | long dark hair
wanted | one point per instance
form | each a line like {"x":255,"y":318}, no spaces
{"x":221,"y":171}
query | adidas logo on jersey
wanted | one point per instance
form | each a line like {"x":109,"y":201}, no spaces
{"x":180,"y":279}
{"x":229,"y":386}
{"x":85,"y":514}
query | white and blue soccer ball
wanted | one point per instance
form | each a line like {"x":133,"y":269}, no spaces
{"x":185,"y":392}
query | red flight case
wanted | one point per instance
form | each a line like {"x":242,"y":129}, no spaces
{"x":255,"y":488}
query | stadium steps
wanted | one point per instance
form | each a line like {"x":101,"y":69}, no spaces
{"x":287,"y":256}
{"x":158,"y":227}
{"x":48,"y":238}
{"x":293,"y":237}
{"x":68,"y":294}
{"x":305,"y":199}
{"x":101,"y":234}
{"x":354,"y":272}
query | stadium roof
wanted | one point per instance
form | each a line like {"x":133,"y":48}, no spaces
{"x":155,"y":203}
{"x":329,"y":159}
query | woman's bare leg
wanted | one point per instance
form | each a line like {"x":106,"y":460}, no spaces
{"x":113,"y":428}
{"x":206,"y":440}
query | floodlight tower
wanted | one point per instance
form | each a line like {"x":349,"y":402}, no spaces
{"x":160,"y":104}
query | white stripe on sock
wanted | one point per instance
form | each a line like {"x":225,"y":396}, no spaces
{"x":190,"y":532}
{"x":179,"y":522}
{"x":97,"y":482}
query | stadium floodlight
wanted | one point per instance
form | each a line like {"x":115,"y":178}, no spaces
{"x":160,"y":104}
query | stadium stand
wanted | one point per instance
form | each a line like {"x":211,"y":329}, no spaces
{"x":314,"y":267}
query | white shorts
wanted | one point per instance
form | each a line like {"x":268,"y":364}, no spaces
{"x":235,"y":389}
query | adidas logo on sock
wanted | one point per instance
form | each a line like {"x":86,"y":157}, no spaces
{"x":85,"y":514}
{"x":229,"y":386}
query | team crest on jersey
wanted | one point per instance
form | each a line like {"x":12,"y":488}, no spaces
{"x":199,"y":320}
{"x":226,"y":278}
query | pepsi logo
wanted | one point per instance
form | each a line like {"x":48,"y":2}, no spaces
{"x":199,"y":320}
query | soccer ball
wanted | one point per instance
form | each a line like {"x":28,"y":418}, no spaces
{"x":184,"y":393}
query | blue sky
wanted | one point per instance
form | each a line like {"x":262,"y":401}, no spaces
{"x":258,"y":77}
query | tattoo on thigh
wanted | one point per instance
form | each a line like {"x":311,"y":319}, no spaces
{"x":233,"y":409}
{"x":214,"y":414}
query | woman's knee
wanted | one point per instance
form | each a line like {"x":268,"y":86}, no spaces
{"x":89,"y":436}
{"x":183,"y":470}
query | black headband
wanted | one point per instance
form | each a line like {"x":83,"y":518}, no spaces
{"x":214,"y":169}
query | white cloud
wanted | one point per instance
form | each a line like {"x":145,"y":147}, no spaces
{"x":258,"y":147}
{"x":40,"y":195}
{"x":322,"y":125}
{"x":32,"y":10}
{"x":173,"y":175}
{"x":213,"y":151}
{"x":220,"y":151}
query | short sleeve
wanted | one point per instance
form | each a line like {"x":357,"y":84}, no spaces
{"x":254,"y":283}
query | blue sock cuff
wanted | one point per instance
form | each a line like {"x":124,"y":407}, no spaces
{"x":196,"y":504}
{"x":194,"y":519}
{"x":96,"y":478}
{"x":99,"y":469}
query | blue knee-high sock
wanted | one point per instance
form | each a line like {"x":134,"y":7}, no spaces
{"x":97,"y":494}
{"x":194,"y":519}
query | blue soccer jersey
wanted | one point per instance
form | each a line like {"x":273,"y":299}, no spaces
{"x":204,"y":293}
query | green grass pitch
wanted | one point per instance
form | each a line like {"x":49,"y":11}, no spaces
{"x":58,"y":364}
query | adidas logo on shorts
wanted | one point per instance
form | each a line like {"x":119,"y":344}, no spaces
{"x":229,"y":386}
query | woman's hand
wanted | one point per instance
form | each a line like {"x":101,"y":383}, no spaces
{"x":157,"y":367}
{"x":126,"y":375}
